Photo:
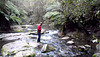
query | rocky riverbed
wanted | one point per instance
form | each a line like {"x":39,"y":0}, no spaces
{"x":23,"y":42}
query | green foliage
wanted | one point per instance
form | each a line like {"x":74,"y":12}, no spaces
{"x":12,"y":8}
{"x":79,"y":12}
{"x":12,"y":12}
{"x":56,"y":17}
{"x":50,"y":14}
{"x":16,"y":19}
{"x":97,"y":14}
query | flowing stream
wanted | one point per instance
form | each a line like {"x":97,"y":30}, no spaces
{"x":14,"y":41}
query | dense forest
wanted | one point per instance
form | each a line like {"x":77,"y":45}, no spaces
{"x":81,"y":16}
{"x":64,"y":14}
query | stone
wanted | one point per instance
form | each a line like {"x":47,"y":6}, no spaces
{"x":26,"y":53}
{"x":88,"y":46}
{"x":47,"y":48}
{"x":82,"y":47}
{"x":14,"y":47}
{"x":95,"y":41}
{"x":65,"y":38}
{"x":70,"y":42}
{"x":44,"y":48}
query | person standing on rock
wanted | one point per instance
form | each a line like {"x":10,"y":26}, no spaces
{"x":39,"y":31}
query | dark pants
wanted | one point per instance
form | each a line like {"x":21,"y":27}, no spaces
{"x":39,"y":36}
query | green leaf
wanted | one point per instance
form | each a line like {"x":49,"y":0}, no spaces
{"x":16,"y":19}
{"x":13,"y":8}
{"x":49,"y":14}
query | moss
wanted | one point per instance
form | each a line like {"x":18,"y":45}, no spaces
{"x":32,"y":55}
{"x":93,"y":55}
{"x":19,"y":30}
{"x":98,"y":40}
{"x":79,"y":49}
{"x":50,"y":48}
{"x":2,"y":51}
{"x":13,"y":52}
{"x":27,"y":46}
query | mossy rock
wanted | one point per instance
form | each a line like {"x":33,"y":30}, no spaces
{"x":4,"y":52}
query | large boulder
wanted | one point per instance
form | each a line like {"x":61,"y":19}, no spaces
{"x":14,"y":47}
{"x":47,"y":48}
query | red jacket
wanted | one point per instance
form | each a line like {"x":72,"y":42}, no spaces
{"x":39,"y":29}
